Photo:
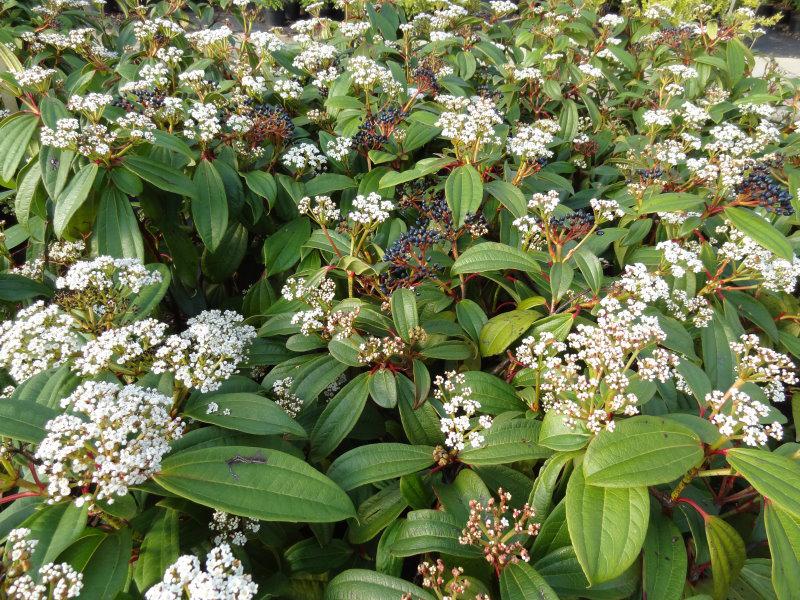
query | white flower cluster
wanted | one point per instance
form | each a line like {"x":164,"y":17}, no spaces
{"x":92,"y":140}
{"x":319,"y":318}
{"x":354,"y":30}
{"x":117,"y":442}
{"x":323,"y":209}
{"x":204,"y":122}
{"x":116,"y":349}
{"x":58,"y":581}
{"x":370,"y":210}
{"x":205,"y":39}
{"x":380,"y":350}
{"x":502,"y":7}
{"x":764,"y":366}
{"x":231,"y":529}
{"x":606,"y":210}
{"x":92,"y":103}
{"x":290,"y":402}
{"x":223,"y":579}
{"x":208,"y":351}
{"x":736,"y":414}
{"x":600,"y":357}
{"x":368,"y":74}
{"x":544,"y":204}
{"x":304,"y":156}
{"x":776,"y":274}
{"x":681,"y":259}
{"x":106,"y":273}
{"x":315,"y":57}
{"x":266,"y":41}
{"x":33,"y":76}
{"x":459,"y":408}
{"x":338,"y":148}
{"x":469,"y":121}
{"x":140,"y":127}
{"x":531,"y":142}
{"x":40,"y":337}
{"x":288,"y":89}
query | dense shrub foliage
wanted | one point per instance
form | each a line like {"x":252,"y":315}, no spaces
{"x":482,"y":301}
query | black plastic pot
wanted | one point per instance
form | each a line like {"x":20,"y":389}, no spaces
{"x":794,"y":22}
{"x":274,"y":18}
{"x":292,"y":12}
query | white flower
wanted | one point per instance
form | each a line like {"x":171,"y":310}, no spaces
{"x":303,"y":156}
{"x":531,"y":142}
{"x":285,"y":398}
{"x":119,"y":347}
{"x":459,"y":407}
{"x":106,"y":273}
{"x":370,"y":209}
{"x":33,"y":76}
{"x":208,"y":351}
{"x":469,"y":121}
{"x":118,"y":442}
{"x":288,"y":89}
{"x":231,"y":528}
{"x":223,"y":579}
{"x":338,"y":148}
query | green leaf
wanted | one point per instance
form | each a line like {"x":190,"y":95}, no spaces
{"x":339,"y":417}
{"x":494,"y":394}
{"x":509,"y":196}
{"x":159,"y":550}
{"x":431,"y":531}
{"x":471,"y":318}
{"x":378,"y":462}
{"x":492,"y":256}
{"x":209,"y":205}
{"x":15,"y":135}
{"x":282,"y":248}
{"x":671,"y":202}
{"x":361,"y":583}
{"x":325,"y":183}
{"x":103,"y":560}
{"x":641,"y":451}
{"x":520,"y":581}
{"x":464,"y":192}
{"x":665,"y":560}
{"x":508,"y":442}
{"x":760,"y":230}
{"x":383,"y":388}
{"x":774,"y":476}
{"x":117,"y":228}
{"x":727,"y":554}
{"x":783,"y":533}
{"x":15,"y":288}
{"x":502,"y":330}
{"x":24,"y":421}
{"x":245,"y":412}
{"x":143,"y":303}
{"x":163,"y":177}
{"x":72,"y":198}
{"x":560,"y":279}
{"x":376,"y":513}
{"x":556,"y":434}
{"x":308,"y":556}
{"x":607,"y":526}
{"x":404,"y":312}
{"x":262,"y":184}
{"x":56,"y":527}
{"x":282,"y":488}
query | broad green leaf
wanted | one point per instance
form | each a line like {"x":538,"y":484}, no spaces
{"x":502,"y":330}
{"x":159,"y":550}
{"x":520,"y":581}
{"x":541,"y":495}
{"x":464,"y":193}
{"x":376,"y":513}
{"x":783,"y":533}
{"x":234,"y":479}
{"x":143,"y":303}
{"x":383,"y":388}
{"x":56,"y":527}
{"x":15,"y":135}
{"x":262,"y":184}
{"x":665,"y":560}
{"x":325,"y":183}
{"x":24,"y":421}
{"x":641,"y":451}
{"x":471,"y":317}
{"x":492,"y":256}
{"x":404,"y":312}
{"x":209,"y":205}
{"x":245,"y":412}
{"x":607,"y":526}
{"x":308,"y":556}
{"x":558,"y":435}
{"x":561,"y":569}
{"x":378,"y":462}
{"x":15,"y":288}
{"x":509,"y":196}
{"x":431,"y":531}
{"x":774,"y":476}
{"x":339,"y":417}
{"x":362,"y":583}
{"x":116,"y":227}
{"x":72,"y":198}
{"x":162,"y":176}
{"x":507,"y":442}
{"x":760,"y":230}
{"x":103,"y":560}
{"x":727,"y":554}
{"x":672,"y":202}
{"x":282,"y":248}
{"x":495,"y":395}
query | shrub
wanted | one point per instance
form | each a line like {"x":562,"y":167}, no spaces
{"x":494,"y":300}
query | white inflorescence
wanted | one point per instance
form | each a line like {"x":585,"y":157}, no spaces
{"x":370,"y":209}
{"x":469,"y":121}
{"x":116,"y":348}
{"x":231,"y":528}
{"x":208,"y":351}
{"x":223,"y":579}
{"x":285,"y":398}
{"x":304,"y":156}
{"x":459,"y":408}
{"x":777,"y":274}
{"x":117,"y":441}
{"x":531,"y":142}
{"x":106,"y":273}
{"x":39,"y":338}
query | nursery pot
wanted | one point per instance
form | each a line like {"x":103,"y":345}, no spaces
{"x":794,"y":22}
{"x":292,"y":12}
{"x":273,"y":18}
